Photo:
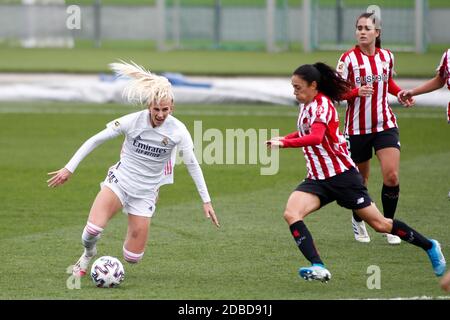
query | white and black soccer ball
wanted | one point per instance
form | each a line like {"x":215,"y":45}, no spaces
{"x":107,"y":272}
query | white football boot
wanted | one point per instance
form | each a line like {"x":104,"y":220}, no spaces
{"x":360,"y":232}
{"x":392,"y":239}
{"x":81,"y":266}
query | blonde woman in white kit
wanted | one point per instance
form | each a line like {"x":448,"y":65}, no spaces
{"x":132,"y":184}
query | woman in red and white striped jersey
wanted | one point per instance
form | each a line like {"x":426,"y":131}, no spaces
{"x":317,"y":119}
{"x":369,"y":120}
{"x":442,"y":77}
{"x":332,"y":175}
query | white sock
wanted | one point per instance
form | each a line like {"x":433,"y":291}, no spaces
{"x":91,"y":234}
{"x":132,"y":257}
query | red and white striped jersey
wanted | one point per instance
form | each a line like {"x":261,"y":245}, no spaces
{"x":331,"y":156}
{"x":368,"y":114}
{"x":444,"y":67}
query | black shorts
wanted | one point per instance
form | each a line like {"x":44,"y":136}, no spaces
{"x":346,"y":188}
{"x":360,"y":146}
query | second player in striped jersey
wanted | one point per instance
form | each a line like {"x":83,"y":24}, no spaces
{"x":370,"y":123}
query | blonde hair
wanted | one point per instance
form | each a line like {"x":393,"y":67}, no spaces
{"x":144,"y":87}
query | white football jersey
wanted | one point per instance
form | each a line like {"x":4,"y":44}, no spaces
{"x":169,"y":174}
{"x":146,"y":151}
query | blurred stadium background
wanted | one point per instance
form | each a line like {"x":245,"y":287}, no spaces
{"x":270,"y":25}
{"x":230,"y":62}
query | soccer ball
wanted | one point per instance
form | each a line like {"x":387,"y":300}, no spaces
{"x":107,"y":272}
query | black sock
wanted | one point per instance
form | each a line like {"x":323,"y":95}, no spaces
{"x":389,"y":198}
{"x":410,"y":235}
{"x":305,"y":242}
{"x":356,"y":217}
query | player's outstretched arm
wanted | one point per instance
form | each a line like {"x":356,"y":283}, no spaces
{"x":210,"y":214}
{"x":59,"y":177}
{"x":62,"y":175}
{"x":314,"y":138}
{"x":405,"y":99}
{"x":274,"y":143}
{"x":276,"y":138}
{"x":433,"y":84}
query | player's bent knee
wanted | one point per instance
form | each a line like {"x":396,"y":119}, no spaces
{"x":365,"y":180}
{"x":392,"y":179}
{"x":135,"y":234}
{"x":292,"y":216}
{"x":132,"y":257}
{"x":381,"y":226}
{"x":289,"y":215}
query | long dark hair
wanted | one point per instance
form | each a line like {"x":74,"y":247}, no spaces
{"x":371,"y":15}
{"x":329,"y":82}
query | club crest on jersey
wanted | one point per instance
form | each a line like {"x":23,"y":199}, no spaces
{"x":385,"y":65}
{"x":117,"y":123}
{"x":304,"y":128}
{"x":340,"y":67}
{"x":165,"y":141}
{"x":320,"y":110}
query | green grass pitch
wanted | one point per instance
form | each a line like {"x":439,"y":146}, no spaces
{"x":86,"y":59}
{"x":252,"y":256}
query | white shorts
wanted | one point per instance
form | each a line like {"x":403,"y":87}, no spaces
{"x":144,"y":207}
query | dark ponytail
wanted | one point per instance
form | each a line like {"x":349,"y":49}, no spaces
{"x":378,"y":41}
{"x":375,"y":20}
{"x":329,"y":82}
